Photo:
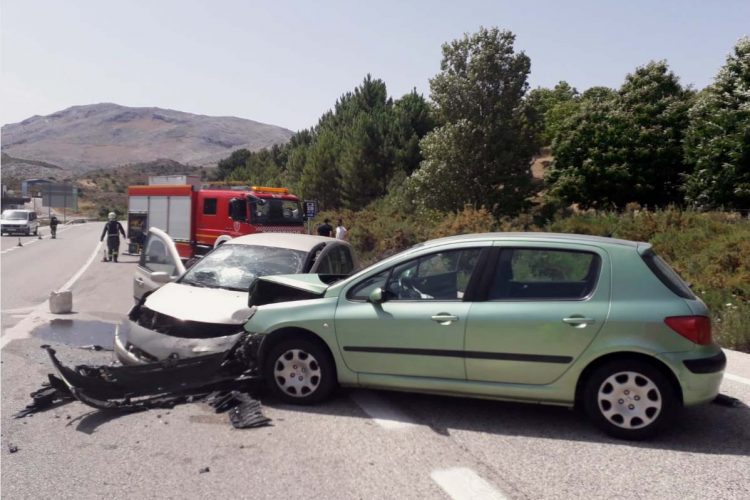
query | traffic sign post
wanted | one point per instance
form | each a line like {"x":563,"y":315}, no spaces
{"x":311,"y":210}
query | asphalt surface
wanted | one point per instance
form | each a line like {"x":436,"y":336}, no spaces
{"x":361,"y":444}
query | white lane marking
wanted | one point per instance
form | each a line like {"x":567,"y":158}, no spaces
{"x":381,"y":412}
{"x":462,"y":483}
{"x":27,"y":241}
{"x":36,"y":316}
{"x":19,"y":310}
{"x":23,"y":244}
{"x":737,"y":378}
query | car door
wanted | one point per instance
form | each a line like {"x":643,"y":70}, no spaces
{"x":159,"y":263}
{"x":335,"y":259}
{"x":418,"y":328}
{"x":544,"y":306}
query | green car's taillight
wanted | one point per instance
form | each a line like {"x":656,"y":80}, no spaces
{"x":696,"y":329}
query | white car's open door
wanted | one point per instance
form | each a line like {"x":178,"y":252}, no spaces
{"x":159,"y":263}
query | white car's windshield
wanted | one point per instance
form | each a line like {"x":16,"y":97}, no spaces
{"x":235,"y":267}
{"x":14,"y":215}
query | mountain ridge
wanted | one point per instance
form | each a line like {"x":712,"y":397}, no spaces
{"x":107,"y":135}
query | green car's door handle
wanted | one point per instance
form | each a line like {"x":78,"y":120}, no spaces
{"x":445,"y":319}
{"x":579,"y":321}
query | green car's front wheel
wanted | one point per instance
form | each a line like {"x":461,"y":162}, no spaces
{"x":300,"y":371}
{"x":630,"y":399}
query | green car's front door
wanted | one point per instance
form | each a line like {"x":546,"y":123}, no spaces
{"x":418,"y":328}
{"x":544,"y":307}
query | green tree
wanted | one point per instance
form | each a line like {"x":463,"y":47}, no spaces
{"x":585,"y":170}
{"x":365,"y":161}
{"x":357,"y":151}
{"x":320,"y":179}
{"x":551,"y":107}
{"x":625,"y":146}
{"x":298,"y":147}
{"x":235,"y":160}
{"x":717,"y":142}
{"x":487,"y":141}
{"x":365,"y":164}
{"x":413,"y":118}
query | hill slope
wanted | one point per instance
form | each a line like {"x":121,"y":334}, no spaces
{"x":83,"y":138}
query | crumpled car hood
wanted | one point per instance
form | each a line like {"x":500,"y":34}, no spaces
{"x":207,"y":305}
{"x":289,"y":287}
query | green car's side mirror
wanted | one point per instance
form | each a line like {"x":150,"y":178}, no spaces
{"x":377,"y":296}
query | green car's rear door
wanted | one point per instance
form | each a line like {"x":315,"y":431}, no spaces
{"x":544,"y":306}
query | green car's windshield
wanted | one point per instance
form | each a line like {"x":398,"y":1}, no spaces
{"x":14,"y":215}
{"x":235,"y":267}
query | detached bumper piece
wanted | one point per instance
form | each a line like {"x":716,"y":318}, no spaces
{"x":163,"y":384}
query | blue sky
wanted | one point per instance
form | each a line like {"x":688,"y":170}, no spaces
{"x":286,"y":62}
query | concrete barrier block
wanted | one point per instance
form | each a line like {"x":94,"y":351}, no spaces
{"x":61,"y":302}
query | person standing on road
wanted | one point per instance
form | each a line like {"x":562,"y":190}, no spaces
{"x":112,"y":229}
{"x":53,"y":222}
{"x":325,"y":229}
{"x":341,"y":232}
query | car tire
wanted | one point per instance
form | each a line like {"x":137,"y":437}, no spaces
{"x":36,"y":230}
{"x":630,"y":399}
{"x":300,"y":371}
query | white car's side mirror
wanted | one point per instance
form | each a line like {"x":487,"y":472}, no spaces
{"x":160,"y":277}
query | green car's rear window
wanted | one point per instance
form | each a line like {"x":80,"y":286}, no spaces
{"x":667,"y":275}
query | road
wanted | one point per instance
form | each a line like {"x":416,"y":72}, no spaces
{"x":362,"y":444}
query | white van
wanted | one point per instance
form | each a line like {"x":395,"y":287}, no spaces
{"x":19,"y":221}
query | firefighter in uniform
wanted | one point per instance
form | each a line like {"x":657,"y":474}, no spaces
{"x":112,"y":229}
{"x":53,"y":222}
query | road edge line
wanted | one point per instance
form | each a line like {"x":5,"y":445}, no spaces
{"x":737,"y":378}
{"x":24,"y":327}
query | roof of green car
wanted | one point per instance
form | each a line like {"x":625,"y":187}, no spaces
{"x":534,"y":236}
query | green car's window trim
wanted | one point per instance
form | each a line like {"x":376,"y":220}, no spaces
{"x":361,"y":291}
{"x":502,"y":269}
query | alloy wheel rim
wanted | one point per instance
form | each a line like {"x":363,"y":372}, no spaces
{"x":297,"y":373}
{"x":629,"y":400}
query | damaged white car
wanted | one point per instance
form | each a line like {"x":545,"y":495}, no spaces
{"x":204,"y":309}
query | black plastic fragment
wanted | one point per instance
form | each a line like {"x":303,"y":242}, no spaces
{"x":52,"y":392}
{"x":222,"y":401}
{"x":93,"y":347}
{"x":244,"y":411}
{"x":222,"y":379}
{"x":248,"y":414}
{"x":12,"y":448}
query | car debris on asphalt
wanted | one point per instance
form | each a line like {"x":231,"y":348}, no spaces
{"x":224,"y":380}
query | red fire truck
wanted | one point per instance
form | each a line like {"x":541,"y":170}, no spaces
{"x":198,"y":217}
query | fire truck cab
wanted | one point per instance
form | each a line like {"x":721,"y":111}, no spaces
{"x":198,"y":217}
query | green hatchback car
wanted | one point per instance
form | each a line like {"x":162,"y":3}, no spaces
{"x":572,"y":320}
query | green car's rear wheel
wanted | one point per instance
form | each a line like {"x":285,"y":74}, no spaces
{"x":630,"y":399}
{"x":300,"y":371}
